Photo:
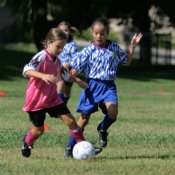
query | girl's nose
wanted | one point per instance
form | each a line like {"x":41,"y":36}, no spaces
{"x":98,"y":36}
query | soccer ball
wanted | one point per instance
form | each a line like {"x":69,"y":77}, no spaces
{"x":83,"y":150}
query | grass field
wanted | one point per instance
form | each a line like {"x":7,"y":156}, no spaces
{"x":141,"y":142}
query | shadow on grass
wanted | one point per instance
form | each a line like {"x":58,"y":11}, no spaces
{"x":147,"y":73}
{"x":12,"y":62}
{"x":156,"y":156}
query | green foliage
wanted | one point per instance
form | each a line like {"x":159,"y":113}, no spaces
{"x":14,"y":56}
{"x":162,"y":41}
{"x":21,"y":28}
{"x":86,"y":34}
{"x":113,"y":36}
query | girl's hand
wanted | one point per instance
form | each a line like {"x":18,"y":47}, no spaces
{"x":48,"y":78}
{"x":82,"y":84}
{"x":136,"y":39}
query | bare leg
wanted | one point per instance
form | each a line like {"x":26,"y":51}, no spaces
{"x":75,"y":130}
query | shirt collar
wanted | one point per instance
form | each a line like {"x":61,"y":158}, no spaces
{"x":102,"y":48}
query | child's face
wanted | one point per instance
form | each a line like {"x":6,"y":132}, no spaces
{"x":65,"y":29}
{"x":99,"y":34}
{"x":54,"y":48}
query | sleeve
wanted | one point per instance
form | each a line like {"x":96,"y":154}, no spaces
{"x":63,"y":56}
{"x":68,"y":53}
{"x":74,"y":50}
{"x":80,"y":60}
{"x":122,"y":56}
{"x":34,"y":63}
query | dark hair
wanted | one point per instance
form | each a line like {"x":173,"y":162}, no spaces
{"x":64,"y":23}
{"x":54,"y":34}
{"x":72,"y":30}
{"x":102,"y":21}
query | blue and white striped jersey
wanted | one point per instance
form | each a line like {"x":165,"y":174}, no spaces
{"x":68,"y":53}
{"x":100,"y":63}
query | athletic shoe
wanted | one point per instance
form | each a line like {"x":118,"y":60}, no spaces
{"x":97,"y":150}
{"x":102,"y":138}
{"x":68,"y":152}
{"x":26,"y":150}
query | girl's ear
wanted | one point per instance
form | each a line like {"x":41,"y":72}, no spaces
{"x":48,"y":43}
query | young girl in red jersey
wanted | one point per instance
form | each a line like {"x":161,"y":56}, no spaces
{"x":44,"y":71}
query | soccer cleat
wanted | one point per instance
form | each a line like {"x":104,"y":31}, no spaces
{"x":97,"y":150}
{"x":68,"y":152}
{"x":26,"y":150}
{"x":102,"y":138}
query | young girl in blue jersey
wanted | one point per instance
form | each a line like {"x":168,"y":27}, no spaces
{"x":69,"y":51}
{"x":100,"y":61}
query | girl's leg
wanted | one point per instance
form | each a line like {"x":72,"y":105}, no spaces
{"x":110,"y":116}
{"x":75,"y":130}
{"x":30,"y":138}
{"x":67,"y":91}
{"x":83,"y":120}
{"x":33,"y":134}
{"x":109,"y":119}
{"x":60,"y":89}
{"x":37,"y":118}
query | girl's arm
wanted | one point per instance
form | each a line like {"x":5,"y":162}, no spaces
{"x":71,"y":78}
{"x":73,"y":72}
{"x":32,"y":68}
{"x":77,"y":80}
{"x":47,"y":78}
{"x":134,"y":42}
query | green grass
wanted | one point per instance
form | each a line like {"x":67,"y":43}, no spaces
{"x":141,"y":142}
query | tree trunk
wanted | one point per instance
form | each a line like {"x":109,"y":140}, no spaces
{"x":39,"y":21}
{"x":142,"y":20}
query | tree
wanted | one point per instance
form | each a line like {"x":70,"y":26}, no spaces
{"x":81,"y":13}
{"x":20,"y":30}
{"x":142,"y":21}
{"x":39,"y":21}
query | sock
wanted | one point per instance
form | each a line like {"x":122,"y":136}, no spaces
{"x":106,"y":123}
{"x":77,"y":134}
{"x":29,"y":138}
{"x":71,"y":141}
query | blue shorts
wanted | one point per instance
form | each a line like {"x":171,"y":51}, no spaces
{"x":98,"y":93}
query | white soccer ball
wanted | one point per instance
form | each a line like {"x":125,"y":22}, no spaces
{"x":83,"y":150}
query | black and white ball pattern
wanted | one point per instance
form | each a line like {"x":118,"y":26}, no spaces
{"x":83,"y":150}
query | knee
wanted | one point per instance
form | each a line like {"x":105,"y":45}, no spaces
{"x":113,"y":113}
{"x":112,"y":110}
